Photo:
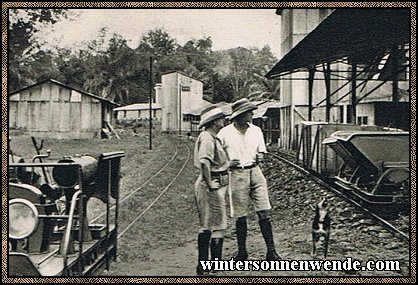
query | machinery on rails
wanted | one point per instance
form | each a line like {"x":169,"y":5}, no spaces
{"x":49,"y":204}
{"x":369,"y":163}
{"x":375,"y":169}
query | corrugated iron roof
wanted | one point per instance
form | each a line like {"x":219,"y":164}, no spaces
{"x":359,"y":34}
{"x":66,"y":86}
{"x":262,"y":108}
{"x":138,"y":106}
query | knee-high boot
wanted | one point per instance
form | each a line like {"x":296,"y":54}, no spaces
{"x":216,"y":248}
{"x":241,"y":232}
{"x":203,"y":250}
{"x":266,"y":230}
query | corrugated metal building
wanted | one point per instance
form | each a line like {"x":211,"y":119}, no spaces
{"x":179,"y":95}
{"x":141,"y":110}
{"x":138,"y":111}
{"x":51,"y":109}
{"x":343,"y":66}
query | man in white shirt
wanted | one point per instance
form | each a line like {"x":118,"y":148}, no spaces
{"x":244,"y":144}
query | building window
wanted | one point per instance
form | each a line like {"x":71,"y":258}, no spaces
{"x":124,"y":114}
{"x":139,"y":113}
{"x":362,"y":120}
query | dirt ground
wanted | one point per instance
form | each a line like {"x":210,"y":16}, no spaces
{"x":163,"y":242}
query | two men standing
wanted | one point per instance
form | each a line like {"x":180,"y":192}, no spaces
{"x":243,"y":143}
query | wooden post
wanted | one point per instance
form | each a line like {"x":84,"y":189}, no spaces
{"x":150,"y":102}
{"x":395,"y":71}
{"x":310,"y":91}
{"x":327,"y":75}
{"x":353,"y":92}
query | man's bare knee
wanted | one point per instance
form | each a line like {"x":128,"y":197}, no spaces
{"x":263,"y":214}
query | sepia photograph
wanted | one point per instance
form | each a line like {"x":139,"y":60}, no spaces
{"x":209,"y":142}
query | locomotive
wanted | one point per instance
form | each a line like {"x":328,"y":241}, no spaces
{"x":49,"y":205}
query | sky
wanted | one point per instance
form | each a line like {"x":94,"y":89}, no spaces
{"x":228,"y":28}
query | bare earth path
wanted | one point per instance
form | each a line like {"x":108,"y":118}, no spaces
{"x":164,"y":242}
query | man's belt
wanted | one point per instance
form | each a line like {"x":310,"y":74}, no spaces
{"x":222,"y":176}
{"x":218,"y":173}
{"x":244,"y":167}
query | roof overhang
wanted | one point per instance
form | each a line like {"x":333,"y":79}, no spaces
{"x":138,"y":107}
{"x":356,"y":34}
{"x":106,"y":101}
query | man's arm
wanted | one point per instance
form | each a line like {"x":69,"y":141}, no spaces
{"x":212,"y":184}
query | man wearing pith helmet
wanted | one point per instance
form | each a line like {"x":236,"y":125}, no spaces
{"x":244,"y":144}
{"x":211,"y":186}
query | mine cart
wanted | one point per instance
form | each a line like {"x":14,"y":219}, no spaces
{"x":376,"y":166}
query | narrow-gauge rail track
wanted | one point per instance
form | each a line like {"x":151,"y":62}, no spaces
{"x":336,"y":190}
{"x":168,"y":169}
{"x":77,"y":208}
{"x":161,"y":193}
{"x":142,"y":185}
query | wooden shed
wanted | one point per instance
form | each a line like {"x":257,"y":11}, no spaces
{"x":51,"y":109}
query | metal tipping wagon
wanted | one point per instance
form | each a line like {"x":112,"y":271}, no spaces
{"x":375,"y":168}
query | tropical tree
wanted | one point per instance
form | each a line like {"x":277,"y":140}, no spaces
{"x":109,"y":68}
{"x":262,"y":88}
{"x":157,"y":43}
{"x":24,"y":46}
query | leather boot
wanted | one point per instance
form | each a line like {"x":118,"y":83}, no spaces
{"x":203,"y":250}
{"x":241,"y":232}
{"x":266,"y":230}
{"x":216,"y":248}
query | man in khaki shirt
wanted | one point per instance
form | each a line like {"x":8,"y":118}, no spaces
{"x":211,"y":186}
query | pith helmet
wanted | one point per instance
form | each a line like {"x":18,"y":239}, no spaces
{"x":210,"y":114}
{"x":241,"y":106}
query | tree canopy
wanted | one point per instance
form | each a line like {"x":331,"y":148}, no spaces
{"x":109,"y":68}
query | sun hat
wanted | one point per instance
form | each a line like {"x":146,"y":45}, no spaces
{"x":210,"y":114}
{"x":241,"y":106}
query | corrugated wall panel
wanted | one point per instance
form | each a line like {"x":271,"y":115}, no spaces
{"x":75,"y":117}
{"x":13,"y":114}
{"x":64,"y":115}
{"x":55,"y":115}
{"x":85,"y":114}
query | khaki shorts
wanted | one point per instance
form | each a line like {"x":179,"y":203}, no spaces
{"x":211,"y":206}
{"x":248,"y":186}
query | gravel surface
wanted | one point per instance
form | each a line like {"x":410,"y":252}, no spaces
{"x":162,"y":242}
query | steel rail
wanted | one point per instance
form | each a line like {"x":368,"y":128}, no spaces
{"x":319,"y":180}
{"x":140,"y":187}
{"x":159,"y":196}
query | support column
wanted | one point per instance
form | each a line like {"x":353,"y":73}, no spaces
{"x":150,"y":102}
{"x":327,"y":75}
{"x":395,"y":78}
{"x":354,"y":92}
{"x":310,"y":92}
